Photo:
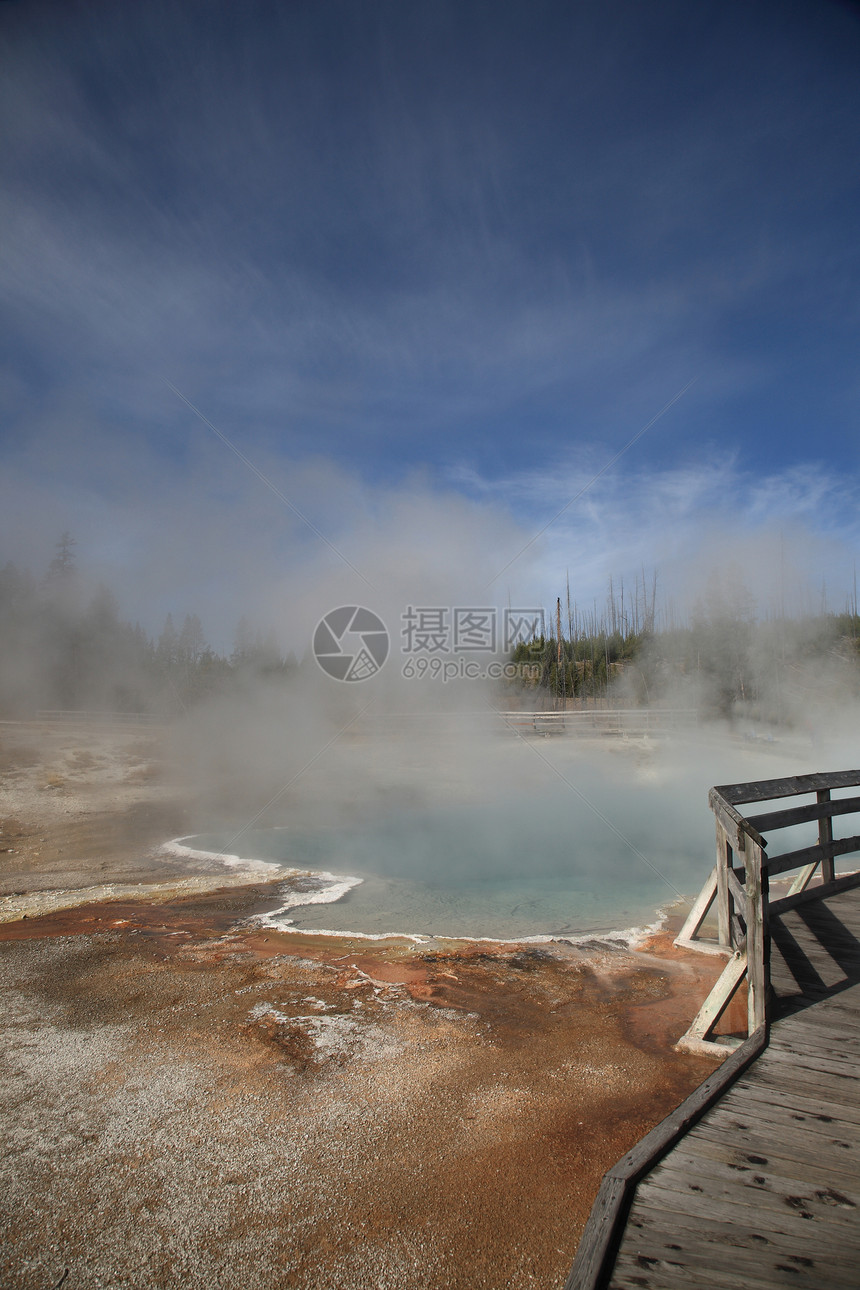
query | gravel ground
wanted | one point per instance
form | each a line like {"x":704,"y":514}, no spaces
{"x":184,"y":1104}
{"x":179,"y":1111}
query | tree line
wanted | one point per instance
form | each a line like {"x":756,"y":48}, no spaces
{"x":724,"y":658}
{"x":63,"y":649}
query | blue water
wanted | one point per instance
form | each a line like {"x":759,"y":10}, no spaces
{"x":524,"y":868}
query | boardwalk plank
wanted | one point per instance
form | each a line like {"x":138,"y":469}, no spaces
{"x":819,"y":1057}
{"x":733,"y":1205}
{"x":820,"y":1061}
{"x":779,"y":1181}
{"x":746,"y":1157}
{"x":809,"y":972}
{"x":667,"y":1278}
{"x":750,"y":1234}
{"x":838,"y":1023}
{"x":840,"y":945}
{"x":828,"y":1032}
{"x":838,"y":1139}
{"x":838,"y":1017}
{"x":759,"y":1259}
{"x":780,"y":1261}
{"x":836,"y":1088}
{"x":758,"y":1104}
{"x":839,"y":1010}
{"x":727,"y":1187}
{"x":694,"y":1268}
{"x":764,"y":1191}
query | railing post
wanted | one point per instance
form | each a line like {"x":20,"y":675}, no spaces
{"x":724,"y":895}
{"x":825,"y":835}
{"x":758,"y":934}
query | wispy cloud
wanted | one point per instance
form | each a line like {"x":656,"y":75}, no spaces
{"x":684,"y":523}
{"x":422,"y":266}
{"x":407,"y":265}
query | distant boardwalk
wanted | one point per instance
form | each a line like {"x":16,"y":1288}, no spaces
{"x":755,"y":1180}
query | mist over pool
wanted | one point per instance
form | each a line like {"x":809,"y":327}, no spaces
{"x":517,"y":871}
{"x":571,"y":839}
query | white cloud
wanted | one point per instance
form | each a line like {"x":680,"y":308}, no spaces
{"x":789,"y":533}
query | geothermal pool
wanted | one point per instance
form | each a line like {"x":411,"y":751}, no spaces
{"x":511,"y":870}
{"x":570,"y":843}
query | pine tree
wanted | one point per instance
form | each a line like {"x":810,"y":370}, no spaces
{"x":62,"y":566}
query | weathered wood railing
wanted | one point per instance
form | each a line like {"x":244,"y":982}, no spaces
{"x":739,"y":886}
{"x":609,"y":721}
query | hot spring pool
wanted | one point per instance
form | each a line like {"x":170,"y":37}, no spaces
{"x":516,"y":869}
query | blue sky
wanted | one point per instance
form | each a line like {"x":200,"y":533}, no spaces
{"x":434,"y":264}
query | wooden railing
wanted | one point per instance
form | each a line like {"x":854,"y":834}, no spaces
{"x":739,"y":886}
{"x":94,"y":716}
{"x":609,"y":721}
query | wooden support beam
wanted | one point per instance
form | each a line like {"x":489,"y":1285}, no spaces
{"x":708,"y":1047}
{"x":803,"y":879}
{"x":724,"y":899}
{"x":758,"y":939}
{"x":739,"y":935}
{"x":739,"y":895}
{"x":825,"y":837}
{"x":717,"y":1001}
{"x":699,"y":910}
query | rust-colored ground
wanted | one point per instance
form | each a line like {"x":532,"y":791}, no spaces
{"x":190,"y":1102}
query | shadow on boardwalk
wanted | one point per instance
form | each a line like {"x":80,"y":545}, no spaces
{"x":763,"y":1188}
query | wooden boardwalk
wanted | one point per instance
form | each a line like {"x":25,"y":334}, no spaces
{"x":764,"y":1189}
{"x":755,"y":1178}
